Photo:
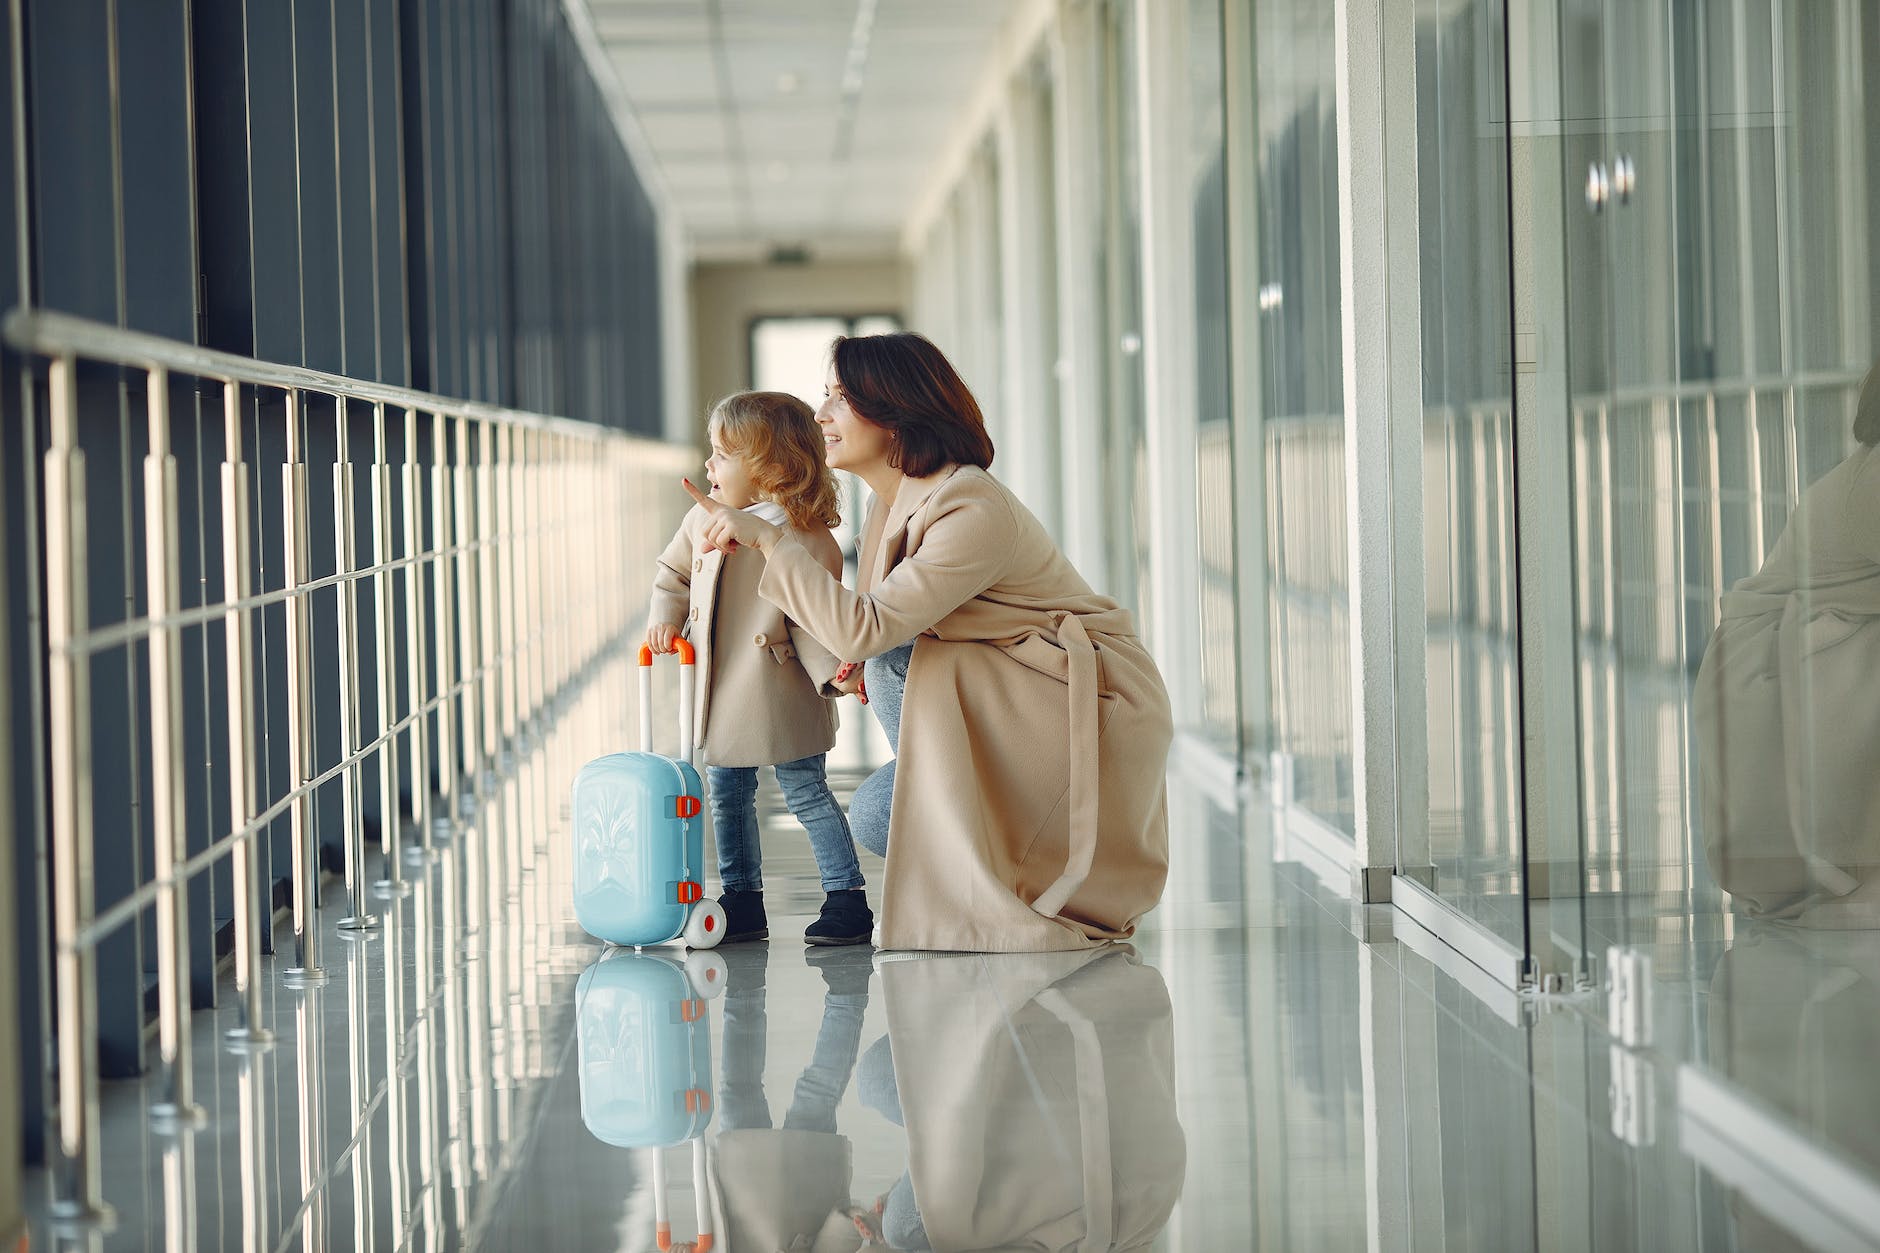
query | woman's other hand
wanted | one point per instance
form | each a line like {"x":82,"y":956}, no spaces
{"x":660,"y":636}
{"x":731,"y":528}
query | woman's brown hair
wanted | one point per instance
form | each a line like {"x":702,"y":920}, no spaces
{"x":900,"y":381}
{"x":1867,"y":410}
{"x":778,"y":438}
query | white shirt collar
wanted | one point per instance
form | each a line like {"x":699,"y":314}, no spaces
{"x":770,"y":511}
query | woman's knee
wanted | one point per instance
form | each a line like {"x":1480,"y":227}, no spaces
{"x":870,"y":810}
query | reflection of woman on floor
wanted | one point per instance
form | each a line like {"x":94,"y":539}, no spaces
{"x":1787,"y":708}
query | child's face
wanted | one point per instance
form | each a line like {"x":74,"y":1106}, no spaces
{"x":730,"y":477}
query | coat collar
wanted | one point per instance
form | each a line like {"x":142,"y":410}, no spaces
{"x":908,"y":498}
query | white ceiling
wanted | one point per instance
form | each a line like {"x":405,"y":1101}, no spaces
{"x":809,"y":123}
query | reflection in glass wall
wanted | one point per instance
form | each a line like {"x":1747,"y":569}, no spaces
{"x":1301,"y":424}
{"x":1720,"y":324}
{"x":1728,"y":529}
{"x":1468,"y":463}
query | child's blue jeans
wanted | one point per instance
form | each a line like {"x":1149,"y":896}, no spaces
{"x":806,"y":790}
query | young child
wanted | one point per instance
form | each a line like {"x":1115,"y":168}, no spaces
{"x":760,"y":682}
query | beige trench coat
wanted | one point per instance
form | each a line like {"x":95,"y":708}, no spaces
{"x":1030,"y":810}
{"x":760,"y":681}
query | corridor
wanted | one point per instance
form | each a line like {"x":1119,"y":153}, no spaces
{"x":1266,"y":1066}
{"x":1431,"y":448}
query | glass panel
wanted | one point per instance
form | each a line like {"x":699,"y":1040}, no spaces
{"x":1475,"y":816}
{"x":1300,"y":421}
{"x":1720,"y":323}
{"x":1214,"y":482}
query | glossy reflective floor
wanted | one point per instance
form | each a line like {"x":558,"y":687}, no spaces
{"x":1265,"y":1068}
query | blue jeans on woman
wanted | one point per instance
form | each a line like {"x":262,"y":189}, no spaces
{"x":806,"y":790}
{"x":873,"y":803}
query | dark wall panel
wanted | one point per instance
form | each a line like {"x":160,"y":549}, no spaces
{"x":322,"y":182}
{"x":274,"y":179}
{"x":423,"y":191}
{"x":221,"y":99}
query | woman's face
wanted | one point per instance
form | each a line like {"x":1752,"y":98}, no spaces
{"x":850,"y":441}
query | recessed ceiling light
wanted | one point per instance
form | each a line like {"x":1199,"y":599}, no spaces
{"x":789,"y":83}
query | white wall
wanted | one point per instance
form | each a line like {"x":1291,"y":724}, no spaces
{"x":727,"y":297}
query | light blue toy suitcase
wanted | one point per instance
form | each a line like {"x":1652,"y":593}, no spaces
{"x":639,"y":835}
{"x":645,"y":1065}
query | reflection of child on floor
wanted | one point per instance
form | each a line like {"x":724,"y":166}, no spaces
{"x":788,"y":1188}
{"x":1786,"y":709}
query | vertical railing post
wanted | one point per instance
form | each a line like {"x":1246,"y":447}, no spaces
{"x":251,"y":911}
{"x":391,"y":808}
{"x":468,"y":609}
{"x":76,"y":1183}
{"x":358,"y":922}
{"x":443,"y":582}
{"x":489,"y":538}
{"x":417,"y":660}
{"x":510,"y":606}
{"x":169,"y":819}
{"x":296,"y":573}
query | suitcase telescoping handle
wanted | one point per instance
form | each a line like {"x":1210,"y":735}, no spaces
{"x":701,"y":1198}
{"x":688,"y":677}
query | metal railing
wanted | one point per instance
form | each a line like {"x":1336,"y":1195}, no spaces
{"x":490,"y":545}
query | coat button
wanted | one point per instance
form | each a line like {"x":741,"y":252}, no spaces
{"x":693,"y":616}
{"x":698,"y":563}
{"x":761,"y":641}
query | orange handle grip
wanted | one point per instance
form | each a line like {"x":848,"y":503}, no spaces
{"x":688,"y":655}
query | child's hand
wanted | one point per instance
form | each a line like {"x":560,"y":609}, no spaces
{"x":660,"y":636}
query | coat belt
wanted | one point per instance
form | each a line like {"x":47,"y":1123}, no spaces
{"x":1081,"y":655}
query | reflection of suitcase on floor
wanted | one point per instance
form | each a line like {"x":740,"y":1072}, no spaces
{"x":645,"y":1064}
{"x":639,"y":835}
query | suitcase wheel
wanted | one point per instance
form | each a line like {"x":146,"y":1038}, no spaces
{"x":708,"y":973}
{"x":704,"y":925}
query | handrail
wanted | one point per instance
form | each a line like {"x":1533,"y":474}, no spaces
{"x":61,"y":334}
{"x":468,"y":539}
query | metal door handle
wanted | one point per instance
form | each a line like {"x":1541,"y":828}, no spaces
{"x":1624,"y":177}
{"x":1598,"y":187}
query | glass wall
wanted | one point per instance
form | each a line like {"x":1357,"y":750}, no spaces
{"x":1473,"y":725}
{"x":1300,"y":421}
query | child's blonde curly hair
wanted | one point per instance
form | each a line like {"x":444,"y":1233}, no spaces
{"x":778,"y":438}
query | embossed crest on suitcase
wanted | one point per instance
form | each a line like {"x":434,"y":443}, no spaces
{"x":639,"y":835}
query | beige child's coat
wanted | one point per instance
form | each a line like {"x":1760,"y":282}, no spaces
{"x":760,"y":682}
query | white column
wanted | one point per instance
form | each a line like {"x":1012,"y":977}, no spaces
{"x":1168,"y":363}
{"x":1028,"y":299}
{"x":1380,"y":295}
{"x":678,"y":419}
{"x":1077,"y":149}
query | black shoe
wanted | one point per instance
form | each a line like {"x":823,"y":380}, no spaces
{"x":744,"y":917}
{"x":845,"y":919}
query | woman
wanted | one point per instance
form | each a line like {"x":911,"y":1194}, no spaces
{"x":1786,"y":710}
{"x":1025,"y":810}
